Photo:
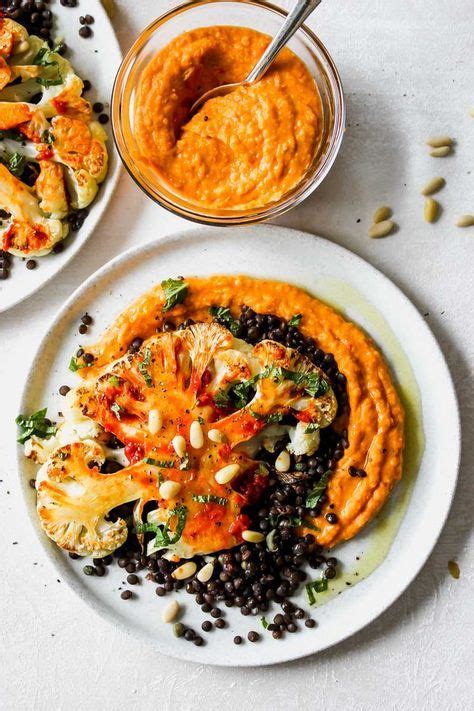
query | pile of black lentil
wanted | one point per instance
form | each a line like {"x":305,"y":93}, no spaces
{"x":251,"y":576}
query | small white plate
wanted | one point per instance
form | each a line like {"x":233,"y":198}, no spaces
{"x":417,"y":510}
{"x":97,"y":59}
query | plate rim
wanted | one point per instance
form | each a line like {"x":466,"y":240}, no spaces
{"x":110,"y":181}
{"x":101,"y":608}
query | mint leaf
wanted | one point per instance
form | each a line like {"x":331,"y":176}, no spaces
{"x":37,"y":424}
{"x":223,"y":314}
{"x":209,"y":499}
{"x":315,"y":495}
{"x":317,"y":586}
{"x":175,"y":291}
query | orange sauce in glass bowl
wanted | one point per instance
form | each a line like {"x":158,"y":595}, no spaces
{"x":243,"y":150}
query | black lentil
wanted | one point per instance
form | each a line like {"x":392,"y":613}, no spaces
{"x":64,"y":389}
{"x":85,"y":31}
{"x":253,"y":636}
{"x":103,"y":119}
{"x":126,"y":595}
{"x":206,"y":626}
{"x":238,"y":639}
{"x":31,"y":264}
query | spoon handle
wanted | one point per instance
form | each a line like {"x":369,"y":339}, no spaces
{"x":294,"y":20}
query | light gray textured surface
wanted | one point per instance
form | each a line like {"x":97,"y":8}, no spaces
{"x":408,"y":72}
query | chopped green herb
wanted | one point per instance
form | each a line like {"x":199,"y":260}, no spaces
{"x":262,"y":469}
{"x":37,"y":424}
{"x":315,"y":495}
{"x":315,"y":385}
{"x":209,"y":499}
{"x":264,"y":623}
{"x":74,"y":365}
{"x":201,"y":421}
{"x":63,"y":455}
{"x":184,"y":464}
{"x":162,"y":463}
{"x":222,"y":399}
{"x":16,"y":164}
{"x":143,"y":367}
{"x":116,"y":409}
{"x":317,"y":586}
{"x":223,"y":314}
{"x":11,"y":134}
{"x":164,"y":535}
{"x":175,"y":291}
{"x":43,"y":59}
{"x":114,"y":380}
{"x":47,"y":137}
{"x":295,"y":320}
{"x":243,"y":393}
{"x":271,"y":419}
{"x":312,"y":427}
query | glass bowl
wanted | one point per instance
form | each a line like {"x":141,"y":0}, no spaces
{"x":257,"y":15}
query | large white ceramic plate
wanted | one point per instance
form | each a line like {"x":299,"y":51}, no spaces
{"x":368,"y":298}
{"x":96,"y":59}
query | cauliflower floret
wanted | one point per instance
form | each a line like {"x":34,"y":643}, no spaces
{"x":74,"y":498}
{"x":303,"y":441}
{"x":53,"y":77}
{"x":13,"y":37}
{"x":81,"y":148}
{"x":26,"y":231}
{"x":51,"y":190}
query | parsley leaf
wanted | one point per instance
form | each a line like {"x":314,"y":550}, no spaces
{"x":264,"y":623}
{"x":184,"y":464}
{"x":242,"y":393}
{"x":114,"y":380}
{"x":175,"y":291}
{"x":16,"y":164}
{"x":317,"y":586}
{"x":315,"y":495}
{"x":209,"y":499}
{"x":37,"y":424}
{"x":312,"y":427}
{"x":295,"y":320}
{"x":143,"y":368}
{"x":223,"y":314}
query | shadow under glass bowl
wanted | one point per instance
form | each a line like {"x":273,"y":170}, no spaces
{"x":257,"y":15}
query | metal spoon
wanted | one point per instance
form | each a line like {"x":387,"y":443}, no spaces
{"x":293,"y":22}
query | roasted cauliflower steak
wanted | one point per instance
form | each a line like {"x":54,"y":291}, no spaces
{"x":148,"y":399}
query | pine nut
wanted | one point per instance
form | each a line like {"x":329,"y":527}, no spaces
{"x":440,"y":152}
{"x":169,"y":489}
{"x":205,"y":573}
{"x":154,"y":422}
{"x":22,"y":47}
{"x":282,"y":462}
{"x":382,"y":213}
{"x":465,"y":221}
{"x":439,"y":141}
{"x":381,"y":229}
{"x":196,"y":436}
{"x":433,"y":186}
{"x":170,"y":612}
{"x":179,"y":445}
{"x":431,"y":210}
{"x":216,"y":436}
{"x":252,"y":536}
{"x":184,"y":571}
{"x":227,"y":473}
